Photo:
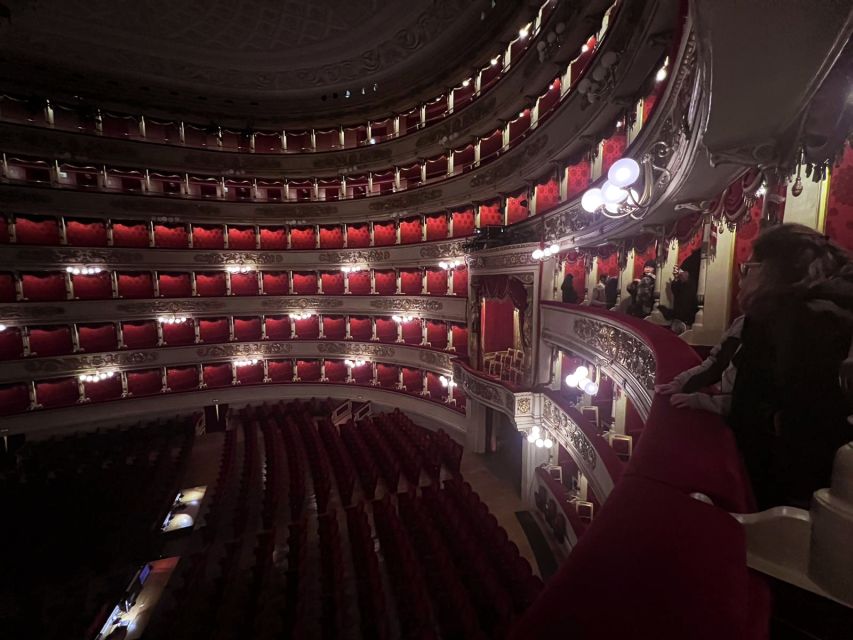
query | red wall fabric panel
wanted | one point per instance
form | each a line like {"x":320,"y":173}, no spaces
{"x":363,"y":374}
{"x":497,"y":325}
{"x":358,"y":235}
{"x":181,"y":378}
{"x":839,"y":205}
{"x":460,"y":282}
{"x":490,"y":215}
{"x":7,"y":287}
{"x":463,"y":223}
{"x":334,"y":327}
{"x":95,"y":287}
{"x":384,"y":233}
{"x":251,"y":374}
{"x":130,"y":234}
{"x":302,"y":238}
{"x":208,"y":237}
{"x":278,"y":327}
{"x":247,"y":329}
{"x":44,"y":286}
{"x":37,"y":230}
{"x":14,"y":398}
{"x":360,"y":329}
{"x":547,"y":195}
{"x":135,"y":285}
{"x":179,"y":334}
{"x":139,"y":335}
{"x":437,"y":334}
{"x":359,"y":283}
{"x":241,"y":237}
{"x":411,"y":282}
{"x":412,"y":332}
{"x":386,"y":282}
{"x":275,"y":283}
{"x":436,"y":227}
{"x":333,"y":283}
{"x":612,"y":149}
{"x":577,"y":178}
{"x":102,"y":390}
{"x":217,"y":375}
{"x":413,"y":380}
{"x":460,"y":339}
{"x":386,"y":330}
{"x":11,"y":344}
{"x":517,"y":208}
{"x":86,"y":233}
{"x":273,"y":238}
{"x":336,"y":371}
{"x":213,"y":329}
{"x":388,"y":375}
{"x":685,"y":249}
{"x":209,"y":284}
{"x":308,"y":329}
{"x":175,"y":285}
{"x":97,"y":337}
{"x":144,"y":383}
{"x":308,"y":370}
{"x":280,"y":370}
{"x":171,"y":236}
{"x":57,"y":393}
{"x":305,"y":283}
{"x":410,"y":230}
{"x":437,"y":282}
{"x":331,"y":237}
{"x":244,"y":284}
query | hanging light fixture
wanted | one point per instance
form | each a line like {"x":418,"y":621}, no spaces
{"x":452,"y":264}
{"x":580,"y":380}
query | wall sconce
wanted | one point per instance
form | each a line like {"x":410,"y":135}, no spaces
{"x":446,"y":382}
{"x":246,"y":362}
{"x":580,"y":379}
{"x":302,"y":315}
{"x":536,"y":437}
{"x":171,"y":319}
{"x":355,"y":363}
{"x":239,"y":268}
{"x":546,"y":253}
{"x":96,"y":377}
{"x":403,"y":318}
{"x":354,"y":268}
{"x":451,"y":265}
{"x":83,"y":271}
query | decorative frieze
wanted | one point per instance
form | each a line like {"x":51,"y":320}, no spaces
{"x":258,"y":258}
{"x":71,"y":364}
{"x":619,"y":346}
{"x":567,"y":430}
{"x":356,"y":349}
{"x":407,"y":304}
{"x":435,"y":359}
{"x":443,"y":250}
{"x":283,"y":303}
{"x":244,"y":349}
{"x":355,"y":256}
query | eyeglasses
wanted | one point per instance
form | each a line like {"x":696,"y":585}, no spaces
{"x":746,"y":266}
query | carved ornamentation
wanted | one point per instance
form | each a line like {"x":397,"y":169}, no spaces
{"x":443,"y":250}
{"x":414,"y":199}
{"x":568,"y":431}
{"x":502,"y":261}
{"x":562,"y":223}
{"x":238,"y":257}
{"x":501,"y":170}
{"x":451,"y":129}
{"x":21,"y":312}
{"x":170,"y":306}
{"x":244,"y":349}
{"x":619,"y":346}
{"x":78,"y":256}
{"x":407,"y":304}
{"x":356,"y":349}
{"x":71,"y":364}
{"x":354,"y":257}
{"x":283,"y":303}
{"x":438,"y":360}
{"x":353,"y":158}
{"x":489,"y":393}
{"x":523,"y":404}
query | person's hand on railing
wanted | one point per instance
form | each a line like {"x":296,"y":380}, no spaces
{"x":684,"y":400}
{"x":668,"y":388}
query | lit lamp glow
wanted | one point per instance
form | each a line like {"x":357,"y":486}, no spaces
{"x":623,"y":173}
{"x":580,"y":380}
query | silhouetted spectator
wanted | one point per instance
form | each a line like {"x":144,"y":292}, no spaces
{"x":568,"y":289}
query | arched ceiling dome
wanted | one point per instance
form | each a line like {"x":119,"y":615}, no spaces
{"x":252,"y":58}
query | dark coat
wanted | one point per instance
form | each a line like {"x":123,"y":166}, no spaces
{"x":568,"y":290}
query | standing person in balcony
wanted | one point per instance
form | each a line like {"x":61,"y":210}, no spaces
{"x":685,"y":302}
{"x":642,"y":292}
{"x":599,"y":298}
{"x":568,"y":289}
{"x":788,"y":410}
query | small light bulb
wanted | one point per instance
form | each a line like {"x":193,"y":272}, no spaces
{"x":581,"y":372}
{"x":495,"y":60}
{"x":661,"y":75}
{"x":466,"y":82}
{"x":584,"y":48}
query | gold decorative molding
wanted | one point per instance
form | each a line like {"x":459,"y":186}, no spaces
{"x":238,"y":257}
{"x":70,"y":364}
{"x":619,"y":346}
{"x":407,"y":304}
{"x":356,"y":349}
{"x":283,"y":303}
{"x":354,"y":256}
{"x":443,"y":250}
{"x":244,"y":349}
{"x":567,"y":430}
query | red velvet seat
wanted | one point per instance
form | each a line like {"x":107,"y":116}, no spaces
{"x":92,"y":287}
{"x":86,"y":233}
{"x":175,"y":285}
{"x":97,"y":337}
{"x":44,"y":287}
{"x":411,"y":281}
{"x":139,"y":334}
{"x":11,"y":344}
{"x":303,"y":238}
{"x":278,"y":327}
{"x":50,"y":341}
{"x":135,"y":285}
{"x":178,"y":334}
{"x":463,"y":223}
{"x":213,"y":329}
{"x":181,"y":378}
{"x":145,"y":382}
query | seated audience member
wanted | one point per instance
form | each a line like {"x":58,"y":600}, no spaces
{"x":568,"y":289}
{"x":598,"y":293}
{"x":642,"y":292}
{"x":788,"y":409}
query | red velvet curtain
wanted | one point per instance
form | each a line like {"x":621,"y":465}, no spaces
{"x":130,"y":234}
{"x":97,"y":337}
{"x":278,"y":327}
{"x":497,"y":322}
{"x":839,"y":211}
{"x":244,"y":284}
{"x":241,"y":238}
{"x":359,"y":283}
{"x":384,"y":233}
{"x":144,"y":383}
{"x":208,"y":237}
{"x":210,"y":284}
{"x":280,"y":370}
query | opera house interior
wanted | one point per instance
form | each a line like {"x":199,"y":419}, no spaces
{"x":426,"y":320}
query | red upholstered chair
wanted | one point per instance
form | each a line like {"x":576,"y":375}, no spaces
{"x":241,"y":237}
{"x":363,"y":374}
{"x":209,"y":284}
{"x":331,"y":237}
{"x":37,"y":230}
{"x":386,"y":281}
{"x":251,"y":374}
{"x":181,"y":378}
{"x":97,"y":337}
{"x":334,"y":327}
{"x":411,"y":282}
{"x":217,"y":375}
{"x":333,"y":283}
{"x":413,"y":380}
{"x":130,"y":234}
{"x":213,"y":329}
{"x":386,"y":330}
{"x":358,"y":235}
{"x":86,"y":233}
{"x":208,"y":237}
{"x":436,"y":282}
{"x":247,"y":329}
{"x":44,"y":286}
{"x":437,"y":334}
{"x":308,"y":370}
{"x":547,"y":196}
{"x":578,"y":178}
{"x":388,"y":375}
{"x":171,"y":236}
{"x":140,"y":334}
{"x":303,"y":238}
{"x":384,"y":233}
{"x":517,"y":208}
{"x":135,"y":285}
{"x":361,"y":328}
{"x":273,"y":238}
{"x":7,"y":287}
{"x":308,"y":329}
{"x":14,"y":398}
{"x":490,"y":214}
{"x":144,"y":383}
{"x":175,"y":335}
{"x":336,"y":371}
{"x":359,"y":283}
{"x":412,"y":332}
{"x":410,"y":230}
{"x":11,"y":344}
{"x":460,"y":282}
{"x":175,"y":285}
{"x":280,"y":370}
{"x":463,"y":223}
{"x":278,"y":327}
{"x":103,"y":390}
{"x":244,"y":284}
{"x":92,"y":287}
{"x":57,"y":393}
{"x":275,"y":283}
{"x":460,"y":339}
{"x":436,"y":226}
{"x":305,"y":283}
